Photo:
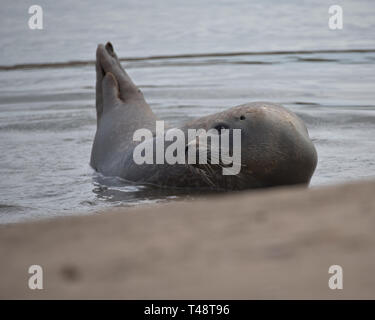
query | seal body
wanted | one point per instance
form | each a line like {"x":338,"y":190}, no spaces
{"x":275,"y":145}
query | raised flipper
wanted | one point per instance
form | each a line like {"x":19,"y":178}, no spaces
{"x":121,"y":110}
{"x":112,"y":82}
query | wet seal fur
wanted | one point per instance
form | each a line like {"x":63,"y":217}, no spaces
{"x":276,"y":148}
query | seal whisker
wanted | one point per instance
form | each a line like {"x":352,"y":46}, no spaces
{"x":212,"y":156}
{"x":204,"y":174}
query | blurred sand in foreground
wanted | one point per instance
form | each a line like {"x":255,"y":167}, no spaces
{"x":264,"y":244}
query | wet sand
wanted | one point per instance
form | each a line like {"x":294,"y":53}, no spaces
{"x":265,"y":244}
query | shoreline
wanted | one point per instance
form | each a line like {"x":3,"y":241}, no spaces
{"x":276,"y":243}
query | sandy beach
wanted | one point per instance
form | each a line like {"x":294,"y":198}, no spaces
{"x":265,"y":244}
{"x":77,"y":201}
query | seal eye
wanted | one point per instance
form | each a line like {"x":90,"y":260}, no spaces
{"x":220,"y":127}
{"x":242,"y":118}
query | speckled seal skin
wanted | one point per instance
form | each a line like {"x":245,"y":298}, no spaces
{"x":275,"y":146}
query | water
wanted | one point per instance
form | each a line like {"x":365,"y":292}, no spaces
{"x":210,"y":55}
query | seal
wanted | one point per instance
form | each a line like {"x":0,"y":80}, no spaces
{"x":275,"y":145}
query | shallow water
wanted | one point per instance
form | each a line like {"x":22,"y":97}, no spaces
{"x":209,"y":56}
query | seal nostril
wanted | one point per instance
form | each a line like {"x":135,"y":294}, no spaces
{"x":220,"y":127}
{"x":242,"y":118}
